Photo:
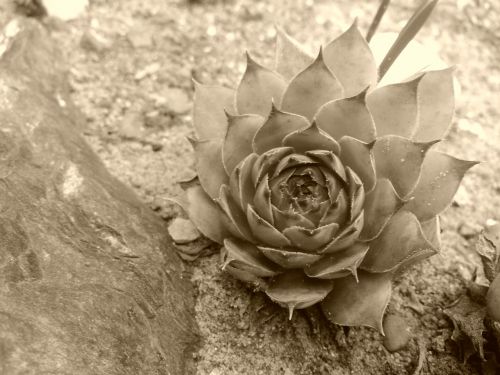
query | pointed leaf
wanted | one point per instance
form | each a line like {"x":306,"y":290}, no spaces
{"x":289,"y":259}
{"x":362,"y":303}
{"x":311,"y":239}
{"x":346,"y":238}
{"x":380,"y":204}
{"x":292,"y":161}
{"x":358,"y":156}
{"x":436,"y":105}
{"x":310,"y":89}
{"x":400,"y":241}
{"x":400,"y":160}
{"x":258,"y":88}
{"x":432,"y":231}
{"x":356,"y":194}
{"x":330,"y":161}
{"x":210,"y":102}
{"x":238,"y":141}
{"x":277,"y":126}
{"x":441,"y":175}
{"x":285,"y":219}
{"x":262,"y":201}
{"x":235,"y":214}
{"x":209,"y":165}
{"x":295,"y":290}
{"x":394,"y":108}
{"x":311,"y":138}
{"x":264,"y":231}
{"x":338,"y":212}
{"x":339,"y":264}
{"x":266,"y":163}
{"x":240,"y":182}
{"x":347,"y":117}
{"x":291,"y":57}
{"x":205,"y":214}
{"x":245,"y":256}
{"x":349,"y":57}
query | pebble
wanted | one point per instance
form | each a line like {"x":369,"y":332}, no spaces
{"x":141,"y":37}
{"x":146,"y":71}
{"x":183,"y":231}
{"x":131,"y":125}
{"x":397,"y":333}
{"x":93,"y":41}
{"x":468,"y":231}
{"x":176,"y":101}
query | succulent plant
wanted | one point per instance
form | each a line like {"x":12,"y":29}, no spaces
{"x":319,"y":184}
{"x":476,"y":314}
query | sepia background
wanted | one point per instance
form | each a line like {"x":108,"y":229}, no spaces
{"x":130,"y":67}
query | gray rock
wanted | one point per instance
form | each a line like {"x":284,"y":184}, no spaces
{"x":397,"y":333}
{"x":89,"y":282}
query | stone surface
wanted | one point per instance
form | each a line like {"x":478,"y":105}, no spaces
{"x":89,"y":281}
{"x":396,"y":332}
{"x":183,"y":231}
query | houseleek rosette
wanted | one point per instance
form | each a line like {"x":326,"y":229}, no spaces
{"x":320,"y":185}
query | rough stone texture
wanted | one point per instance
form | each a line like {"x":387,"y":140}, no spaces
{"x":89,"y":282}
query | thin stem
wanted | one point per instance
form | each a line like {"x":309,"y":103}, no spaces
{"x":384,"y":4}
{"x":411,"y":29}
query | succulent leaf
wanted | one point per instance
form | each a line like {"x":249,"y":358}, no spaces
{"x":289,"y":259}
{"x":436,"y":104}
{"x":440,"y":177}
{"x":238,"y":141}
{"x":286,"y":219}
{"x":277,"y":126}
{"x":400,"y":160}
{"x":394,"y":108}
{"x":351,"y":60}
{"x":330,"y":161}
{"x":401,"y":240}
{"x":245,"y":256}
{"x":380,"y":204}
{"x":347,"y":117}
{"x":210,"y":104}
{"x":311,"y":88}
{"x":346,"y":238}
{"x":291,"y":56}
{"x":359,"y":303}
{"x":339,"y":264}
{"x":356,"y":194}
{"x":235,"y":214}
{"x":311,"y":239}
{"x":240,"y":182}
{"x":311,"y":138}
{"x":209,"y":165}
{"x":204,"y":212}
{"x":432,"y":231}
{"x":264,"y":231}
{"x":262,"y":200}
{"x":294,"y":290}
{"x":358,"y":156}
{"x":258,"y":88}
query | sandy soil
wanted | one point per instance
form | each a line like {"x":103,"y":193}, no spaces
{"x":131,"y":64}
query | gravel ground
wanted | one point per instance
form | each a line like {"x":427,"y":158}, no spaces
{"x":131,"y":64}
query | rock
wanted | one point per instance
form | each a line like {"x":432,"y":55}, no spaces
{"x":493,"y":299}
{"x":64,"y":9}
{"x":183,"y":231}
{"x":131,"y":125}
{"x":176,"y":101}
{"x":93,"y":41}
{"x":89,"y":280}
{"x":141,"y":36}
{"x":469,"y":231}
{"x":397,"y":333}
{"x":148,"y":70}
